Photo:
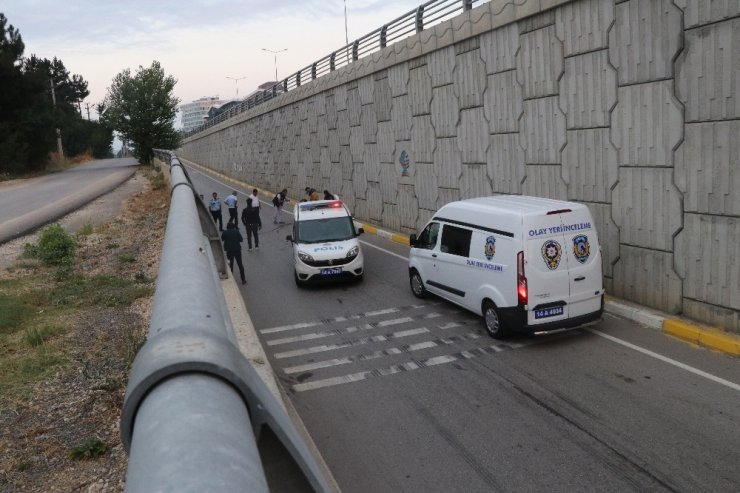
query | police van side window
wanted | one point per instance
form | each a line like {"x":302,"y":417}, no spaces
{"x":456,"y":241}
{"x":428,"y":237}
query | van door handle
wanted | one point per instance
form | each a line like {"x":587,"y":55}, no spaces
{"x":580,"y":278}
{"x":434,"y":255}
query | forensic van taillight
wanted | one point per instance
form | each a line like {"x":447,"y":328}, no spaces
{"x":521,"y":279}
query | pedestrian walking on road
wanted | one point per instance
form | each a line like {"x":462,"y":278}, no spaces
{"x":252,"y":223}
{"x":214,"y":205}
{"x":233,"y":246}
{"x":231,"y":203}
{"x":278,"y":200}
{"x":330,"y":196}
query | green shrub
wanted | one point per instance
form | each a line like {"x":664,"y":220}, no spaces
{"x":56,"y":246}
{"x":13,"y":311}
{"x":89,"y":449}
{"x":86,"y":230}
{"x":30,"y":250}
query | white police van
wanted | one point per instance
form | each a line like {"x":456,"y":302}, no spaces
{"x":325,"y":245}
{"x":526,"y":264}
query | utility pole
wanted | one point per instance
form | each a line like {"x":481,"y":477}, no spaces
{"x":60,"y":151}
{"x":236,"y":80}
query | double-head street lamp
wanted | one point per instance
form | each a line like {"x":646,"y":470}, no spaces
{"x":236,"y":80}
{"x":275,"y":52}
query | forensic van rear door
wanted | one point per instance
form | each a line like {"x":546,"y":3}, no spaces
{"x":546,"y":268}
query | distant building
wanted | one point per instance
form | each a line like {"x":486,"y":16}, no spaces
{"x":216,"y":110}
{"x":195,"y":113}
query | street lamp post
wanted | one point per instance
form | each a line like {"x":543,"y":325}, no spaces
{"x":236,"y":80}
{"x":275,"y":52}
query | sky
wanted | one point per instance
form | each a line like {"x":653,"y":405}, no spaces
{"x":199,"y":42}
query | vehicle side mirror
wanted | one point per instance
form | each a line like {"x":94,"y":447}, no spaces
{"x":360,"y":231}
{"x":289,"y":238}
{"x":412,"y":239}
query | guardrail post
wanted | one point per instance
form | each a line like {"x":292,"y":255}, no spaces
{"x":313,"y":71}
{"x":355,"y":50}
{"x":383,"y":36}
{"x":467,"y":5}
{"x":420,"y":19}
{"x":298,"y":79}
{"x":285,"y":85}
{"x":332,"y":61}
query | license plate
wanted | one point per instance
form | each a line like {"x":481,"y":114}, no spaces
{"x":331,"y":272}
{"x":548,"y":312}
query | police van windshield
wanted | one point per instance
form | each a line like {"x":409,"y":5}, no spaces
{"x":321,"y":230}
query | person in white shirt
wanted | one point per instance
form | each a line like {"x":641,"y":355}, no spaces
{"x":231,"y":203}
{"x":254,"y":199}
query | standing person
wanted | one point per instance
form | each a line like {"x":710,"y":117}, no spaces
{"x":312,"y":194}
{"x":231,"y":202}
{"x":232,"y":239}
{"x":214,"y":205}
{"x":252,"y":223}
{"x":330,"y":196}
{"x":278,"y":201}
{"x":254,"y":199}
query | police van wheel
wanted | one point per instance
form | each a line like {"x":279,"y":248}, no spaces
{"x":492,"y":320}
{"x":417,"y":285}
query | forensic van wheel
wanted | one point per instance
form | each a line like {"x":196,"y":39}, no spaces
{"x":417,"y":285}
{"x":492,"y":320}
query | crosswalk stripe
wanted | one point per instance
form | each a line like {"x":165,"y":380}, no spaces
{"x":356,"y":342}
{"x":375,"y":313}
{"x":348,"y":330}
{"x":317,"y":365}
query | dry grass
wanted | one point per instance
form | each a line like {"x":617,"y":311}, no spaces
{"x":66,"y":350}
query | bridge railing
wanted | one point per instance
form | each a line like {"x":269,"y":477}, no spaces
{"x":197,"y":416}
{"x":410,"y":23}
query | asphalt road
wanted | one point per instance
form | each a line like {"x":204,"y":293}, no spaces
{"x":402,"y":394}
{"x":26,"y":205}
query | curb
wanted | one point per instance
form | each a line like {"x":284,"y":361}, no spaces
{"x":693,"y":332}
{"x":709,"y":337}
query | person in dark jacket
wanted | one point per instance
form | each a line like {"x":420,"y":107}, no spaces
{"x":232,"y":239}
{"x":253,"y":223}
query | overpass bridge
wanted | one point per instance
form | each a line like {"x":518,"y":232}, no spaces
{"x":632,"y":107}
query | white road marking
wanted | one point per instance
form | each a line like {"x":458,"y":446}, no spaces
{"x":357,"y":342}
{"x":470,"y":336}
{"x":348,"y":330}
{"x":384,"y":250}
{"x":375,"y":313}
{"x":668,"y":360}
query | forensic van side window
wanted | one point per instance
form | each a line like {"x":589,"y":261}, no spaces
{"x":428,"y":237}
{"x":456,"y":241}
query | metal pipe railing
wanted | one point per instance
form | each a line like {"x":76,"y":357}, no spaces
{"x":423,"y":17}
{"x":195,"y":408}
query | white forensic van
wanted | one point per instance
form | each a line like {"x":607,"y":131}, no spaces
{"x":526,"y":264}
{"x":325,"y":245}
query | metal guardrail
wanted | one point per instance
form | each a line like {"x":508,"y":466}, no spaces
{"x":197,"y":417}
{"x":409,"y":24}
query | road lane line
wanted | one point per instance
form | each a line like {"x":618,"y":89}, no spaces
{"x":384,"y":250}
{"x":668,"y":360}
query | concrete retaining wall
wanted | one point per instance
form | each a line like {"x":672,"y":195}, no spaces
{"x":632,"y":107}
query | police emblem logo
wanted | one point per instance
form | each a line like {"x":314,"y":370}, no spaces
{"x":490,"y":248}
{"x":581,"y":248}
{"x":551,"y":253}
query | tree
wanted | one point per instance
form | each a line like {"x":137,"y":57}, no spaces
{"x":26,"y":119}
{"x":142,"y":108}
